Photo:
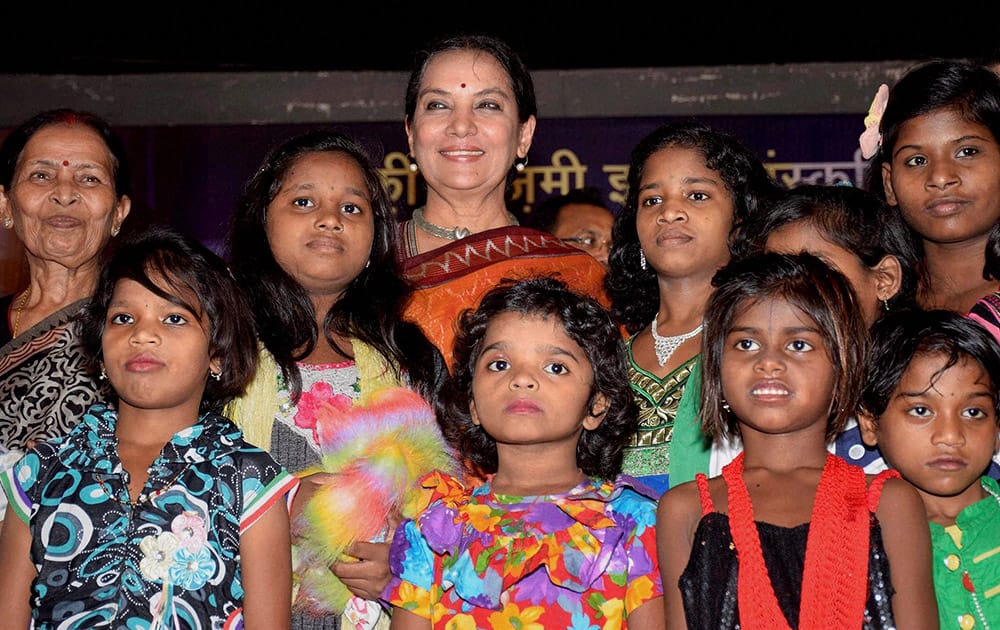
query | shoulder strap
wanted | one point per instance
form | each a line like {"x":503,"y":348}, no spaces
{"x":875,"y":488}
{"x":707,"y":507}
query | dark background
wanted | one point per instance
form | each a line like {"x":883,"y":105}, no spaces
{"x":182,"y":37}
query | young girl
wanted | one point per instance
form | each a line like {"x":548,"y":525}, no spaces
{"x":555,"y":537}
{"x":789,"y":536}
{"x":342,"y":395}
{"x":854,"y":232}
{"x":689,"y":186}
{"x":153,"y":512}
{"x":937,"y":159}
{"x":930,"y":403}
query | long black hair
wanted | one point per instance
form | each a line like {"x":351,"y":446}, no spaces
{"x":371,"y":308}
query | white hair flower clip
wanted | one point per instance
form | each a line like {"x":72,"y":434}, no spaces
{"x":871,"y":137}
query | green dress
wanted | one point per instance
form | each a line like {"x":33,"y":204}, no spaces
{"x":669,"y":448}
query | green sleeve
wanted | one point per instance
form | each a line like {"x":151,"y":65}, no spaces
{"x":689,"y":448}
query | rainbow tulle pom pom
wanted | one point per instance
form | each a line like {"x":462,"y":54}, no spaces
{"x":379,"y":450}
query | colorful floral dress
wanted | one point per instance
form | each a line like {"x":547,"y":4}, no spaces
{"x":584,"y":559}
{"x":172,"y":556}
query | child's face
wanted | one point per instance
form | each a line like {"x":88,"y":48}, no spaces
{"x":532,"y":382}
{"x":684,"y":216}
{"x":945,"y":177}
{"x":871,"y":285}
{"x":939,"y":430}
{"x":776,"y":373}
{"x":156,"y":353}
{"x":320,"y":224}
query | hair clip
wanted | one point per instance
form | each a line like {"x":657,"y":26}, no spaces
{"x":871,"y":138}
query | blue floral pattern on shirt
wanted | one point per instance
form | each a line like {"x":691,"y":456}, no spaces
{"x":173,"y":556}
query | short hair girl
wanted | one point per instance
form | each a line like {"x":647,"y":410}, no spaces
{"x":164,"y":512}
{"x":540,"y":405}
{"x":784,"y":342}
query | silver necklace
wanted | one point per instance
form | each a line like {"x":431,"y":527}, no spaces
{"x":453,"y":234}
{"x":665,"y":346}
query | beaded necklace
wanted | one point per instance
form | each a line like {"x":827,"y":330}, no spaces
{"x":665,"y":346}
{"x":835,"y":575}
{"x":142,"y":498}
{"x":20,"y":307}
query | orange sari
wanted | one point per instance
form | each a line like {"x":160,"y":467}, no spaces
{"x":455,"y":277}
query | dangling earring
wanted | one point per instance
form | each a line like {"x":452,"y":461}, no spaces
{"x":7,"y":222}
{"x":642,"y":258}
{"x":115,"y":230}
{"x":520,"y":163}
{"x":725,"y":405}
{"x":885,"y":304}
{"x":104,"y":374}
{"x":413,"y":165}
{"x":215,"y":375}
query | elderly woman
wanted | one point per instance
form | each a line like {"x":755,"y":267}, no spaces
{"x":63,"y":191}
{"x":470,"y":119}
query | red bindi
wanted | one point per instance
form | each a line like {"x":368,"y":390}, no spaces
{"x":65,"y":162}
{"x":463,"y":85}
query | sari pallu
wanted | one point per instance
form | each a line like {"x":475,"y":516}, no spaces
{"x":452,"y":278}
{"x":44,"y":383}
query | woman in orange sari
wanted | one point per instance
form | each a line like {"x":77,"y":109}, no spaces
{"x":470,"y":119}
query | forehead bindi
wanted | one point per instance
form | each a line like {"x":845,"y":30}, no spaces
{"x":464,"y":70}
{"x":67,"y":146}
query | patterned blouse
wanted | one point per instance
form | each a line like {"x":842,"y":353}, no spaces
{"x":584,"y":559}
{"x":172,"y":556}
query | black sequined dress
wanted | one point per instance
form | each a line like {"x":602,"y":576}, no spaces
{"x":708,"y":583}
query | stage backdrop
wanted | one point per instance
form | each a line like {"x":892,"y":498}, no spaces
{"x":191,"y":176}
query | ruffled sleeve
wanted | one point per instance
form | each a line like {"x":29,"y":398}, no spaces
{"x":480,"y":545}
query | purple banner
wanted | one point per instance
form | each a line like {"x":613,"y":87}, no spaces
{"x":191,"y":176}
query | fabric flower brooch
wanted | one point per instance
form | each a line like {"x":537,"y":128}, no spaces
{"x":180,"y":556}
{"x":871,"y":137}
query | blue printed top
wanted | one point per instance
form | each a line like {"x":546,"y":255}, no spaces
{"x":169,"y":559}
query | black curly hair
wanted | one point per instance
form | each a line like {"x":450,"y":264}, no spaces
{"x":600,"y":451}
{"x":633,"y":291}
